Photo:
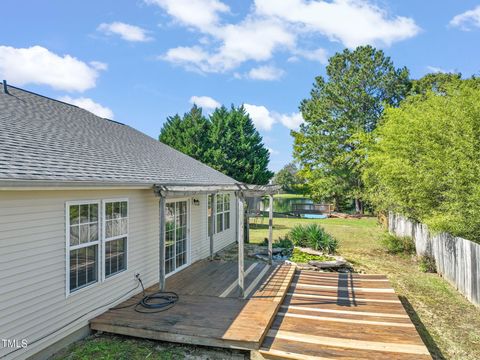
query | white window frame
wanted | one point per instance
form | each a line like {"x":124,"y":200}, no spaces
{"x":80,"y":246}
{"x":104,"y":240}
{"x":223,"y":212}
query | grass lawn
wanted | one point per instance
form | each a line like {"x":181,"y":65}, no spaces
{"x":447,"y":322}
{"x":289,"y":196}
{"x":113,"y":347}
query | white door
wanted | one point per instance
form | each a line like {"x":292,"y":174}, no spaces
{"x":176,"y":236}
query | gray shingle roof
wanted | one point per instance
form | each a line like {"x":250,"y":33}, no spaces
{"x":48,"y":140}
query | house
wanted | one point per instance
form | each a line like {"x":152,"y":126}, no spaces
{"x":88,"y":204}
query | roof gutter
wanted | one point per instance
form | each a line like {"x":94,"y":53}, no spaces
{"x":71,"y":185}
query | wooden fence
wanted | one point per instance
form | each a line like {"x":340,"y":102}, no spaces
{"x":457,"y":259}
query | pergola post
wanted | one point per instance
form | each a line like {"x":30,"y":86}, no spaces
{"x":270,"y":229}
{"x":241,"y":274}
{"x":212,"y":222}
{"x":161,"y":277}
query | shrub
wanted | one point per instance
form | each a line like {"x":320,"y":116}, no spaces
{"x":285,"y":243}
{"x":313,"y":236}
{"x":426,"y":263}
{"x":398,"y":244}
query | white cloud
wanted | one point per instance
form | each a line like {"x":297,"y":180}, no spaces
{"x":238,"y":43}
{"x":272,"y":26}
{"x":436,"y":69}
{"x":292,"y":121}
{"x":319,"y":55}
{"x":467,"y":20}
{"x":38,"y":65}
{"x":264,"y":119}
{"x":98,"y":65}
{"x":201,"y":14}
{"x":125,"y":31}
{"x":192,"y":58}
{"x":352,"y":22}
{"x":89,"y":105}
{"x":261,"y":116}
{"x":266,"y":72}
{"x":205,"y":102}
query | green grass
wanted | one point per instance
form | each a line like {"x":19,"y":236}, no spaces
{"x":290,"y":196}
{"x":115,"y":347}
{"x":448,"y":323}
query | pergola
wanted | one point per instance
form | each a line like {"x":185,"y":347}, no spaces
{"x":242,"y":191}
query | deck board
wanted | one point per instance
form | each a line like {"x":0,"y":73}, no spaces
{"x":357,"y":320}
{"x":201,"y":316}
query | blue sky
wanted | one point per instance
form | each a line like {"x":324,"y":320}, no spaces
{"x":140,"y":61}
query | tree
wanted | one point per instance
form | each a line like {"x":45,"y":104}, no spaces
{"x":188,"y":134}
{"x":287,"y":177}
{"x":424,"y":159}
{"x":340,"y":112}
{"x":227,"y":141}
{"x":236,"y":146}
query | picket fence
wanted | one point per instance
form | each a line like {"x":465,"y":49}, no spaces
{"x":457,"y":259}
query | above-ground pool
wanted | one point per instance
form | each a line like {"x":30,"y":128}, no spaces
{"x":314,"y":216}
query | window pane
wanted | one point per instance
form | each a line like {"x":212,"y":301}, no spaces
{"x":74,"y":238}
{"x":123,"y":230}
{"x":91,"y":264}
{"x":74,"y":214}
{"x":124,"y":210}
{"x":108,"y":229}
{"x":116,"y":210}
{"x":108,"y":211}
{"x":115,"y":256}
{"x":219,"y":223}
{"x":93,"y":234}
{"x":73,"y":270}
{"x":226,"y":202}
{"x":84,"y":234}
{"x":219,"y":203}
{"x":84,"y":213}
{"x":93,"y":212}
{"x":83,"y":267}
{"x":227,"y":220}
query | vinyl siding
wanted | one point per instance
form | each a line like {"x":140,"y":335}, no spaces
{"x":33,"y":299}
{"x":33,"y":273}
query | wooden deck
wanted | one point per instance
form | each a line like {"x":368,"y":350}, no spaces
{"x":209,"y":311}
{"x":342,"y":316}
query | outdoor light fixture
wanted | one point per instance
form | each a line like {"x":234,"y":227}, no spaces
{"x":196,"y":202}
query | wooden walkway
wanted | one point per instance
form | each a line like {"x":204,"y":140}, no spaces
{"x":209,"y":311}
{"x":342,"y":316}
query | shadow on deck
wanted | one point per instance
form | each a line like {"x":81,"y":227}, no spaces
{"x":209,"y":311}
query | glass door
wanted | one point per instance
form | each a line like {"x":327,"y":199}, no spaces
{"x":176,"y":235}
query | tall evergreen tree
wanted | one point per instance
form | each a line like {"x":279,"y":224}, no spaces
{"x":236,"y":146}
{"x":188,"y":134}
{"x":227,"y":141}
{"x":341,"y":110}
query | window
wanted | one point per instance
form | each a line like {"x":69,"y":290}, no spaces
{"x":223,"y":212}
{"x":115,"y":238}
{"x":82,"y":244}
